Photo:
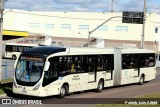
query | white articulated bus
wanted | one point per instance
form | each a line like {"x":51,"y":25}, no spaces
{"x":13,"y":50}
{"x":45,"y":71}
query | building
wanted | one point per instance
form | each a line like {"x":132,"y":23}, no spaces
{"x":157,"y":29}
{"x":14,"y":26}
{"x":71,"y":28}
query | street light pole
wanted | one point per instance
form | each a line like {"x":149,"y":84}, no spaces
{"x":1,"y":34}
{"x":81,"y":38}
{"x":143,"y":26}
{"x":90,"y":32}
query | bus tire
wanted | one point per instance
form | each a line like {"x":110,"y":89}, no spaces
{"x":100,"y":85}
{"x":141,"y":80}
{"x":63,"y":91}
{"x":14,"y":57}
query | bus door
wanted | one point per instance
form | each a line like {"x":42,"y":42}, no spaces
{"x":136,"y":72}
{"x":109,"y":67}
{"x":136,"y":65}
{"x":51,"y":75}
{"x":90,"y":68}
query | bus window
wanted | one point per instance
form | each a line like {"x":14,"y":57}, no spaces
{"x":109,"y":62}
{"x":150,"y":60}
{"x":90,"y":63}
{"x":75,"y":64}
{"x":128,"y":61}
{"x":64,"y":65}
{"x":15,"y":48}
{"x":20,"y":49}
{"x":100,"y":63}
{"x":147,"y":60}
{"x":9,"y":48}
{"x":83,"y":63}
{"x":143,"y":61}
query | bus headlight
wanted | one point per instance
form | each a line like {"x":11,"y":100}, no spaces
{"x":36,"y":87}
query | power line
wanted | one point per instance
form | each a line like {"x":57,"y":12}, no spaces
{"x":55,"y":8}
{"x":42,"y":15}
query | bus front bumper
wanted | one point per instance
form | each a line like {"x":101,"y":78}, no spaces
{"x":30,"y":92}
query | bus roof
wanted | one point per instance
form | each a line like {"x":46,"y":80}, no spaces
{"x":49,"y":50}
{"x":43,"y":50}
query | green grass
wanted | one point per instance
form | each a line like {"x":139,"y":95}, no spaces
{"x":6,"y":86}
{"x":6,"y":81}
{"x":123,"y":105}
{"x":152,"y":95}
{"x":5,"y":90}
{"x":1,"y":91}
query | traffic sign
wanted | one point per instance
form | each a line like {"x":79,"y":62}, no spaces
{"x":133,"y":17}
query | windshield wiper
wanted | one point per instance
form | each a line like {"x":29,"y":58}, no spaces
{"x":21,"y":75}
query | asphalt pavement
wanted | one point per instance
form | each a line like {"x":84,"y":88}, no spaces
{"x":89,"y":98}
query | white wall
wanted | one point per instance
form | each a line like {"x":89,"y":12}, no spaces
{"x":21,"y":22}
{"x":157,"y":25}
{"x":15,"y":20}
{"x":93,"y":20}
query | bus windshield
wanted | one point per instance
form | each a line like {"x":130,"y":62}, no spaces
{"x":29,"y":70}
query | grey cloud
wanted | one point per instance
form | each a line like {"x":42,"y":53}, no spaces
{"x":80,"y":5}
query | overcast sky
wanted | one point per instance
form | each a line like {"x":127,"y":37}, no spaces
{"x":82,"y":5}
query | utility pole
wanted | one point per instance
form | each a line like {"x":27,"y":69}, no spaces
{"x":112,"y":5}
{"x":143,"y":26}
{"x":1,"y":34}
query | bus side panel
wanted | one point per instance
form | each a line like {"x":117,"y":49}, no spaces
{"x":54,"y":88}
{"x":128,"y":76}
{"x":77,"y":82}
{"x":108,"y":79}
{"x":101,"y":75}
{"x":117,"y":66}
{"x":149,"y":73}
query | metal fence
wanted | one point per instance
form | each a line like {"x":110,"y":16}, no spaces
{"x":7,"y":69}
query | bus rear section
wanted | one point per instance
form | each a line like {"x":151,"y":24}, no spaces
{"x":134,"y":66}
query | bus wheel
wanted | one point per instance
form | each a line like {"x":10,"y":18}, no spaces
{"x":100,"y":86}
{"x":141,"y":80}
{"x":63,"y":91}
{"x":14,"y":57}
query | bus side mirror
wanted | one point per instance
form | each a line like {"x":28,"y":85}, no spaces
{"x":47,"y":66}
{"x":15,"y":63}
